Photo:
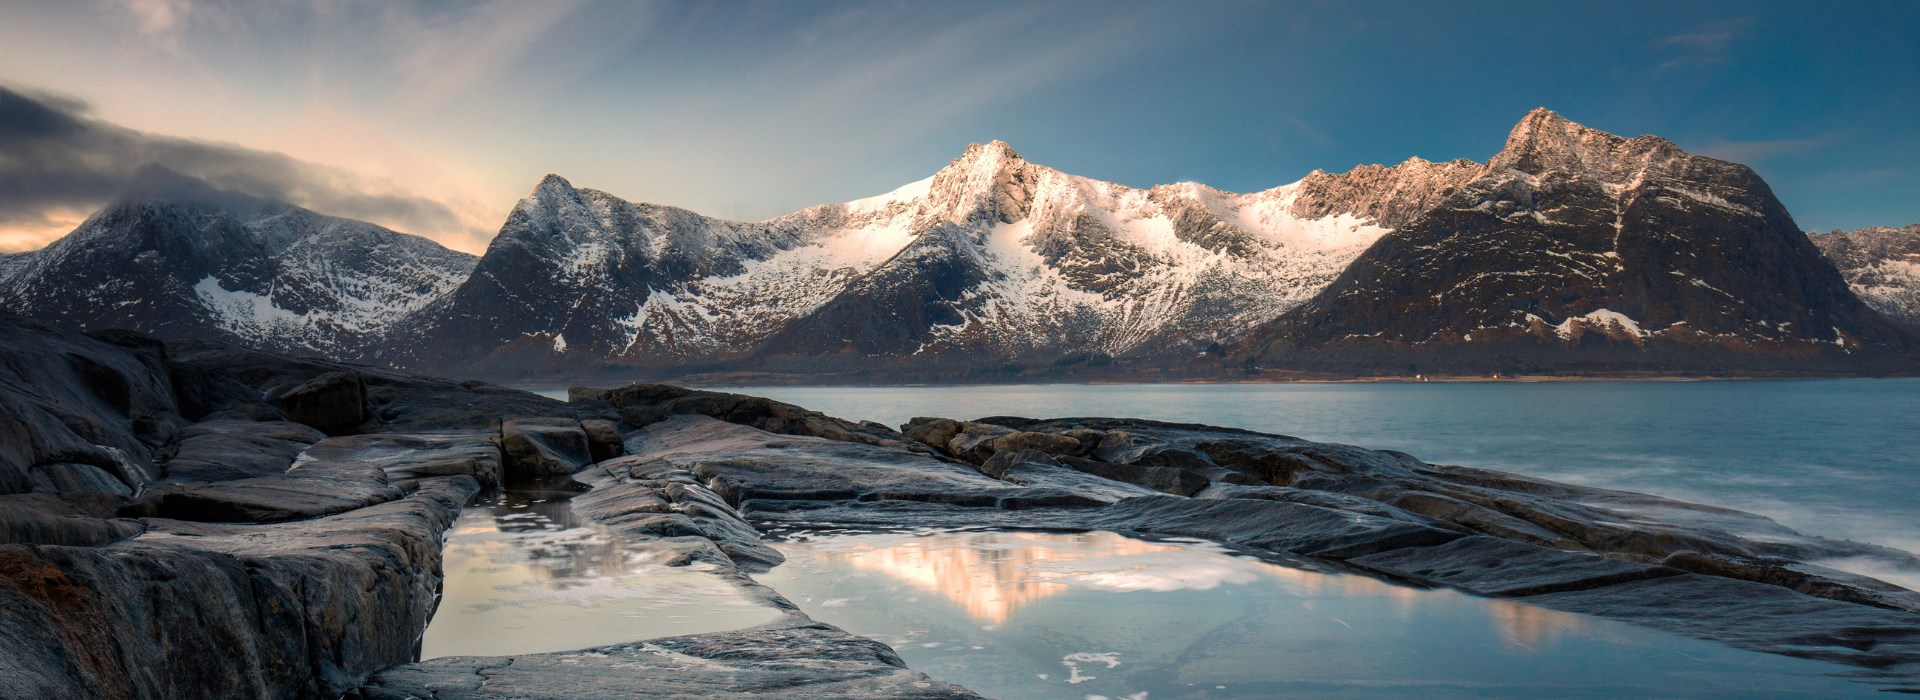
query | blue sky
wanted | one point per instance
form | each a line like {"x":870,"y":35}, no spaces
{"x":751,"y":110}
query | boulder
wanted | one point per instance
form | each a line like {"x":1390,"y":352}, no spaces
{"x":1168,"y":480}
{"x":537,"y":447}
{"x":641,"y":416}
{"x":976,"y":441}
{"x":603,"y":439}
{"x":335,"y":402}
{"x":1049,"y":443}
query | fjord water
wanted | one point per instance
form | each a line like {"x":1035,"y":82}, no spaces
{"x":1098,"y":615}
{"x":1838,"y":458}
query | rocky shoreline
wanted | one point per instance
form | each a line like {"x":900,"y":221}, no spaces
{"x":197,"y":520}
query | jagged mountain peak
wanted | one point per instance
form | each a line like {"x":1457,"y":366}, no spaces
{"x":1545,"y":142}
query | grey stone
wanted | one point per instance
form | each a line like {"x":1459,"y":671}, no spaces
{"x":800,"y":660}
{"x":537,"y":447}
{"x":335,"y":402}
{"x":603,"y":439}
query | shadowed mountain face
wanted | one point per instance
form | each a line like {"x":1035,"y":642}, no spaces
{"x":1575,"y":249}
{"x":178,"y":258}
{"x":1570,"y":250}
{"x":1883,"y":266}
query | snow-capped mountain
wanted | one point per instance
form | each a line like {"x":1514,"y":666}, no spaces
{"x":992,"y":258}
{"x":1574,"y":248}
{"x":178,"y":258}
{"x":1569,"y":250}
{"x":1882,"y":264}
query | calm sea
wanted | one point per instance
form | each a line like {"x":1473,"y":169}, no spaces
{"x":1839,"y":458}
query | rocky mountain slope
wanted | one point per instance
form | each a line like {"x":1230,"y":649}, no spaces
{"x":1570,"y":250}
{"x":993,"y":258}
{"x":1883,"y":266}
{"x":176,"y":257}
{"x":1574,"y":249}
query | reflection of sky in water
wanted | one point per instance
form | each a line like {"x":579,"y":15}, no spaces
{"x":1045,"y":615}
{"x":524,"y":577}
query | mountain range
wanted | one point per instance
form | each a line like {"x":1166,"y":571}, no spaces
{"x":1569,"y":251}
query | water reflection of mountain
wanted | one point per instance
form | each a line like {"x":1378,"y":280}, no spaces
{"x":538,"y":529}
{"x":993,"y":574}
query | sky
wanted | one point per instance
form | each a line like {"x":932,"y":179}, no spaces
{"x":435,"y":117}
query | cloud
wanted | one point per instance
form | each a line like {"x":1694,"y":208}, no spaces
{"x":55,"y":160}
{"x":161,"y":21}
{"x":1752,"y":152}
{"x":1704,"y":45}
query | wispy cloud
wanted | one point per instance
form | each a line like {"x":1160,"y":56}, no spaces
{"x":453,"y":52}
{"x":1752,"y":152}
{"x":161,"y":21}
{"x":1705,"y":45}
{"x":60,"y":161}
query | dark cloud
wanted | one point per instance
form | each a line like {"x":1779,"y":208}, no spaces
{"x":53,"y":156}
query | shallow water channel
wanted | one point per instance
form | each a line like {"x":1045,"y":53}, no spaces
{"x":1077,"y":616}
{"x":524,"y":575}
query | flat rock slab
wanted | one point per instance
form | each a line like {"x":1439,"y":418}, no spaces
{"x":800,"y":660}
{"x":409,"y":456}
{"x":269,"y":499}
{"x":1272,"y":525}
{"x":1759,"y":617}
{"x":743,"y":463}
{"x":222,"y":450}
{"x":1493,"y":566}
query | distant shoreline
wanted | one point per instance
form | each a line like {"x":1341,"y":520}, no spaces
{"x":791,"y":381}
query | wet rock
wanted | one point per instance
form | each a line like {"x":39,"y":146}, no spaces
{"x":1797,"y":576}
{"x":1494,"y":566}
{"x":603,"y":439}
{"x":801,"y":660}
{"x":407,"y":457}
{"x":537,"y":447}
{"x":335,"y":402}
{"x":648,"y":499}
{"x":1273,"y":525}
{"x":1323,"y":499}
{"x":1759,"y":617}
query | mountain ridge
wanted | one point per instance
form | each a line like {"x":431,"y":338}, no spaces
{"x":1568,"y":250}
